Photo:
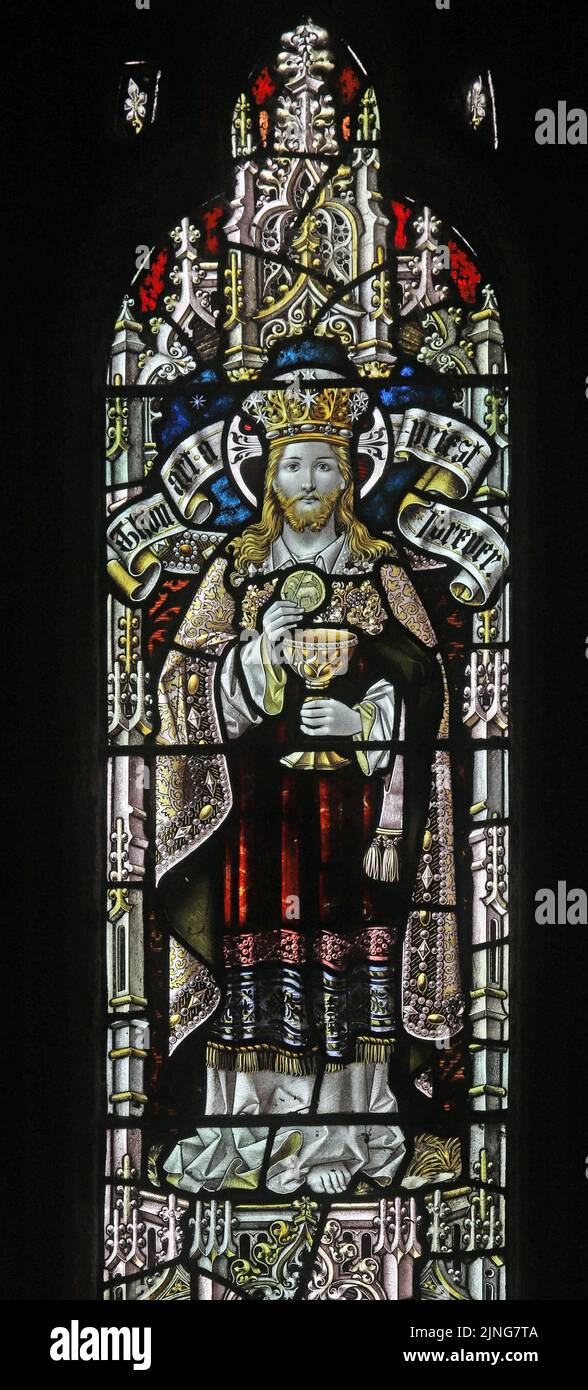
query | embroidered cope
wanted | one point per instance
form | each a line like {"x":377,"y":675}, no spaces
{"x":304,"y":949}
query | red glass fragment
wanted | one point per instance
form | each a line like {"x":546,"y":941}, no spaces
{"x":211,"y":219}
{"x":454,"y":649}
{"x":243,"y":874}
{"x":263,"y":86}
{"x":402,"y":214}
{"x":263,"y":126}
{"x":464,"y":272}
{"x":348,"y":83}
{"x":452,"y":1081}
{"x":346,"y":127}
{"x":165,"y":612}
{"x":152,"y":283}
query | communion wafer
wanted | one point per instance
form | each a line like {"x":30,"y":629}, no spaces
{"x":304,"y":588}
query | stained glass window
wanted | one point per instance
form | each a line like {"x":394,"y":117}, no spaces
{"x":306,"y":858}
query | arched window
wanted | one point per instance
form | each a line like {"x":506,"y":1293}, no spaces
{"x":308,"y":626}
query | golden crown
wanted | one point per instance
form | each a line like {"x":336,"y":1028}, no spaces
{"x":294,"y":410}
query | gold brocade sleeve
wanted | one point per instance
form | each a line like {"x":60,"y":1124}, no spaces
{"x":193,"y":791}
{"x":209,"y":622}
{"x":406,"y":605}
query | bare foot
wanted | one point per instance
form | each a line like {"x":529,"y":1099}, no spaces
{"x":329,"y":1177}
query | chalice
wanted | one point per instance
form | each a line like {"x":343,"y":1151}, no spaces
{"x":318,"y":654}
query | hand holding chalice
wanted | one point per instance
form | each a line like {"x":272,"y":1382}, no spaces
{"x":318,"y":655}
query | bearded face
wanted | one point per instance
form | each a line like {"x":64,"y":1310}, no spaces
{"x":305,"y":513}
{"x":308,"y":484}
{"x":308,"y":481}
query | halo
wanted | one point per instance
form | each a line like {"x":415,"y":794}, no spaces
{"x":243,"y":446}
{"x":375,"y":443}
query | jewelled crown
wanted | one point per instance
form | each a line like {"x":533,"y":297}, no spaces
{"x":298,"y":410}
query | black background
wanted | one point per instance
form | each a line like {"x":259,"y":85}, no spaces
{"x":83,"y":199}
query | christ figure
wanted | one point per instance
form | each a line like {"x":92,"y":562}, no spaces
{"x":305,"y":939}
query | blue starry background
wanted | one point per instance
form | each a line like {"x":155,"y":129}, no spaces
{"x":209,"y":398}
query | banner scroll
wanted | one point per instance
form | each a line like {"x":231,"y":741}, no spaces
{"x":140,"y":531}
{"x":455,"y":455}
{"x":453,"y":452}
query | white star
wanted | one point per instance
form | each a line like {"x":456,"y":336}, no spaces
{"x":256,"y":405}
{"x":358,"y":402}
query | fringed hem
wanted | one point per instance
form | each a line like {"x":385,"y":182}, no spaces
{"x":374,"y":1049}
{"x":265,"y":1057}
{"x":259,"y":1057}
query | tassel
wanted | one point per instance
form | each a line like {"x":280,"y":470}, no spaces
{"x":391,"y":863}
{"x":382,"y":860}
{"x":372,"y":860}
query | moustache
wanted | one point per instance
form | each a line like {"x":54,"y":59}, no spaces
{"x":316,"y":517}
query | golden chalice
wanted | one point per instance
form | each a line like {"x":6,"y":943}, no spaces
{"x":318,"y":654}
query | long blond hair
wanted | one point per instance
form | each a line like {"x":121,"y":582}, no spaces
{"x":253,"y":546}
